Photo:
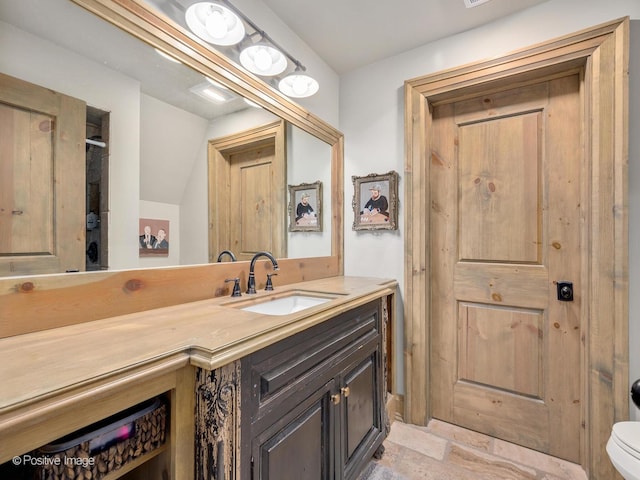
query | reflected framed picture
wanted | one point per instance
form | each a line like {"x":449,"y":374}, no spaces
{"x":375,"y":202}
{"x":153,"y":238}
{"x":305,"y":207}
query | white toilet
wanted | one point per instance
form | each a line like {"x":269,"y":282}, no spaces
{"x":623,"y":446}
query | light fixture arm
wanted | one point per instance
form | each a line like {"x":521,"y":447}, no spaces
{"x":264,"y":35}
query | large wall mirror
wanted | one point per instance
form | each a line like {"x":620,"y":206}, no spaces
{"x":149,"y":131}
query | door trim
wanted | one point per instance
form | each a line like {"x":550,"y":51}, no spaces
{"x":602,"y":54}
{"x":218,"y":153}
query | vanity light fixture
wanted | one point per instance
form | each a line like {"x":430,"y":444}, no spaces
{"x":215,"y":23}
{"x":263,"y":59}
{"x":221,"y":23}
{"x":298,"y":85}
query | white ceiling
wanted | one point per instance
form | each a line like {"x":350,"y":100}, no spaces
{"x":348,"y":34}
{"x":363,"y":31}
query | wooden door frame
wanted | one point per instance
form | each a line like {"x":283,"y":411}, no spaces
{"x":218,"y":153}
{"x":601,"y":55}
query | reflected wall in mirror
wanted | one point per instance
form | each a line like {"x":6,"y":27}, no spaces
{"x":155,"y":126}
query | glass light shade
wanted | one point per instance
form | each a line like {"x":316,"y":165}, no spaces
{"x":215,"y":23}
{"x":263,"y":59}
{"x":298,"y":85}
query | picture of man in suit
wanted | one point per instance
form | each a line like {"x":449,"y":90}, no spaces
{"x":146,"y":239}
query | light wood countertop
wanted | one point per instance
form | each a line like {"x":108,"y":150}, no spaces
{"x":70,"y":360}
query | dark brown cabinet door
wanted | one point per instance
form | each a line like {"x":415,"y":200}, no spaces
{"x":361,"y":420}
{"x":296,"y":446}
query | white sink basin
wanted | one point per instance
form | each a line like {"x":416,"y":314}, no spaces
{"x":285,"y":305}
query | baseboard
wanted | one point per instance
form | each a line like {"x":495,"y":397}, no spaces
{"x":395,"y":407}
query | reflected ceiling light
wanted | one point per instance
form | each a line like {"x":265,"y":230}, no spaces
{"x":214,"y":95}
{"x":215,"y":23}
{"x":298,"y":85}
{"x":263,"y":59}
{"x":211,"y":93}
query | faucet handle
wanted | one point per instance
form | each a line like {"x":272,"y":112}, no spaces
{"x":269,"y":282}
{"x":236,"y":286}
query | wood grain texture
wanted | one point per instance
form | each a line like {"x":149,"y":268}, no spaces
{"x":29,"y":304}
{"x":218,"y":415}
{"x":42,"y":215}
{"x":601,"y":53}
{"x":47,"y":393}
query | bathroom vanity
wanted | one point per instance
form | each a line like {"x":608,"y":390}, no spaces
{"x":301,"y":371}
{"x":248,"y":394}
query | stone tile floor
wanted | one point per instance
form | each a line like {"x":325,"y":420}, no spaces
{"x":441,"y":451}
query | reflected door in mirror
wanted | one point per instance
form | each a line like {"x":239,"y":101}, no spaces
{"x":42,"y":171}
{"x":254,"y":217}
{"x":247,"y":192}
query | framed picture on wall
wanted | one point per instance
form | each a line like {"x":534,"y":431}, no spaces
{"x":305,"y":207}
{"x":153,"y":238}
{"x":375,"y":202}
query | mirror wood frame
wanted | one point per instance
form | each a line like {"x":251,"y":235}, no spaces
{"x":39,"y":302}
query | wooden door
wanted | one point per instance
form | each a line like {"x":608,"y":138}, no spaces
{"x":42,"y":188}
{"x":253,"y":210}
{"x":247,"y":192}
{"x":505,"y":352}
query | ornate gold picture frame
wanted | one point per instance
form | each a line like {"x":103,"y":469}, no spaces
{"x":305,"y":207}
{"x":375,"y":202}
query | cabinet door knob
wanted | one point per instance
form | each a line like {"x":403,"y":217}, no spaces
{"x":335,"y":398}
{"x":345,"y":391}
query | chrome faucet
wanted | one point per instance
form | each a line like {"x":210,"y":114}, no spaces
{"x":251,"y":283}
{"x":226,"y":252}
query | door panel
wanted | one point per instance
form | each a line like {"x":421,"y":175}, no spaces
{"x":515,"y":366}
{"x":506,"y":195}
{"x":27,"y":167}
{"x":297,"y":445}
{"x":499,"y":190}
{"x":360,"y":408}
{"x":252,"y":206}
{"x":42,"y":172}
